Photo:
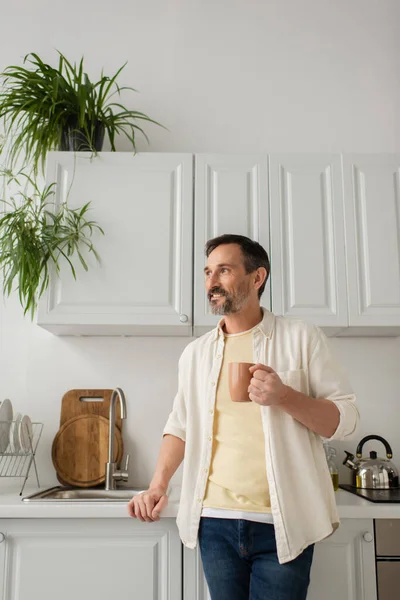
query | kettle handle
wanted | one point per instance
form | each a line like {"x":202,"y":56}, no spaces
{"x":389,"y":452}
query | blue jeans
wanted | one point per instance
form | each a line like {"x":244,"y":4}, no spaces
{"x":240,"y":562}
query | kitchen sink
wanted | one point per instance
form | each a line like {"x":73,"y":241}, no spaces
{"x":65,"y":494}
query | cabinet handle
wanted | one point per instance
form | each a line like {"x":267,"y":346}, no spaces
{"x":183,"y":318}
{"x":2,"y":537}
{"x":368,"y":537}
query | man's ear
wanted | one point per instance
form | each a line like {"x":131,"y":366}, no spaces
{"x":260,"y":276}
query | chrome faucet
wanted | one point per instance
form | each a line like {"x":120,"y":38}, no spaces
{"x":113,"y":474}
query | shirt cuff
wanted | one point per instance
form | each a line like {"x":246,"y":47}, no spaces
{"x":176,"y":431}
{"x":348,"y":419}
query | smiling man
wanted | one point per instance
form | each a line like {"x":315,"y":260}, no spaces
{"x":256,"y":489}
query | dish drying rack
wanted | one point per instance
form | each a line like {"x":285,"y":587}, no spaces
{"x":18,"y":463}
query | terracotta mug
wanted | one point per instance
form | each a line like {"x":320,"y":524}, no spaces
{"x":239,"y":381}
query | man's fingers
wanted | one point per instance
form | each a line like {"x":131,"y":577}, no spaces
{"x":131,"y":508}
{"x":159,"y":507}
{"x":256,"y":383}
{"x":260,"y":367}
{"x":254,"y":398}
{"x":149,"y":505}
{"x":138,"y":510}
{"x":140,"y":501}
{"x":253,"y":392}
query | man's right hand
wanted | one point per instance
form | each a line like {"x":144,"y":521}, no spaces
{"x":148,"y":505}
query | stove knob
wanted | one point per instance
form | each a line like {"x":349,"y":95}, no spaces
{"x":368,"y":537}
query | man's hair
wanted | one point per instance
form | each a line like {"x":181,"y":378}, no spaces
{"x":254,"y":255}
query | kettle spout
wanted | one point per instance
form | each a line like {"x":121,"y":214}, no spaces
{"x":350,"y":461}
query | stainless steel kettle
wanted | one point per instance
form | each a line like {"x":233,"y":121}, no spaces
{"x":373,"y":472}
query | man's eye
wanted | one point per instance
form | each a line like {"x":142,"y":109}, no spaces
{"x":224,"y":270}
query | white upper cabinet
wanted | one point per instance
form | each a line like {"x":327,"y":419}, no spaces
{"x":143,"y":286}
{"x":231,"y":196}
{"x":308,"y":262}
{"x":372,"y":211}
{"x":330,"y":223}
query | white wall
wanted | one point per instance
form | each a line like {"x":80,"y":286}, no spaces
{"x":37,"y":368}
{"x":234,"y":75}
{"x":373,"y":366}
{"x":225,"y":76}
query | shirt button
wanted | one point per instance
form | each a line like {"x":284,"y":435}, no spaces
{"x":218,"y":356}
{"x":213,"y":383}
{"x":211,"y":412}
{"x":205,"y":470}
{"x":209,"y":438}
{"x":198,"y":499}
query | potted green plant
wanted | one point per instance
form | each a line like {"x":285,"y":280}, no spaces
{"x":35,"y":237}
{"x":59,"y":108}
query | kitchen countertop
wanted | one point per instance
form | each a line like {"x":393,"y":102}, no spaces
{"x":12,"y":507}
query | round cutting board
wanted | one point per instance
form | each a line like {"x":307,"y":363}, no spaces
{"x":80,"y":450}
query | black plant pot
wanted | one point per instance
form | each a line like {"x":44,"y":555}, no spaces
{"x":74,"y":139}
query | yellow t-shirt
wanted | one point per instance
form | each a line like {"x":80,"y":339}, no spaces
{"x":237,"y":478}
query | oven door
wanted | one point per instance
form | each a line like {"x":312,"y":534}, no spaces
{"x":387,"y":540}
{"x":388,"y":576}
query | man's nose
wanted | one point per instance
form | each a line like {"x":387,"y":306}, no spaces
{"x":212,"y":280}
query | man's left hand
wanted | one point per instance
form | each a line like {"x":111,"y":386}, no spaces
{"x":266,"y":387}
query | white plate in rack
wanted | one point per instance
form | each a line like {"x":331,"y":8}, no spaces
{"x":25,"y":433}
{"x":6,"y":417}
{"x":15,"y":443}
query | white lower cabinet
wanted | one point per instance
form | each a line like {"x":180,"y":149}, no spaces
{"x":343,"y":566}
{"x":43,"y":559}
{"x":194,"y":581}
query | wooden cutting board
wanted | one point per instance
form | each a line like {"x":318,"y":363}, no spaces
{"x":75,"y":403}
{"x":80,"y":450}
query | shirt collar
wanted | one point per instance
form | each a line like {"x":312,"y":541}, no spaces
{"x":266,"y":326}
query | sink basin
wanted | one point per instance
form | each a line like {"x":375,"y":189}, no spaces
{"x":65,"y":494}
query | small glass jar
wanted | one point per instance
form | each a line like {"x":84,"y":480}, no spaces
{"x":330,"y":454}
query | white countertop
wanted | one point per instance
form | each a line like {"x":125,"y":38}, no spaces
{"x":351,"y":506}
{"x":12,"y":507}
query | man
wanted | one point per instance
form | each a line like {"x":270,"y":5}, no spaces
{"x":256,"y":489}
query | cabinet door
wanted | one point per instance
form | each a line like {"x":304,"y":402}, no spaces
{"x":372,"y":209}
{"x":93,"y":558}
{"x":307,"y":239}
{"x":143,"y":285}
{"x":194,"y":581}
{"x":2,"y":563}
{"x":344,"y":564}
{"x":231,"y":196}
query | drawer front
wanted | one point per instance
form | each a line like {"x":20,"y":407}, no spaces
{"x":388,"y":573}
{"x":387,"y":537}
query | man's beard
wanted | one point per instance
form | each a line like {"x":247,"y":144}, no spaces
{"x":233,"y":302}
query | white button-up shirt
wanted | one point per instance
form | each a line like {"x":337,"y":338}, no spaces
{"x":302,"y":496}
